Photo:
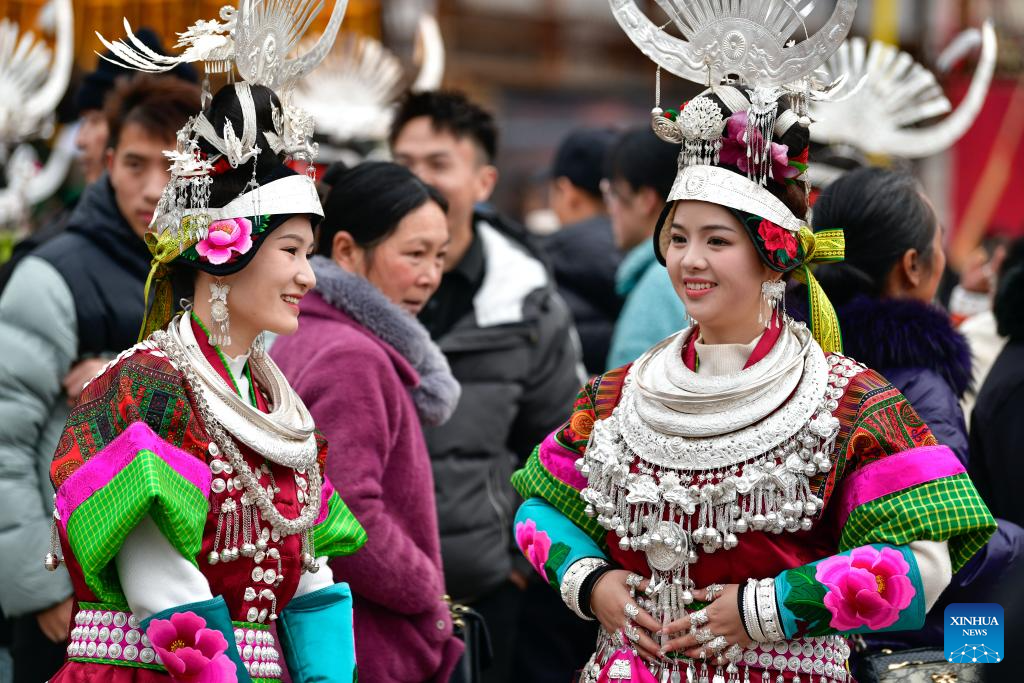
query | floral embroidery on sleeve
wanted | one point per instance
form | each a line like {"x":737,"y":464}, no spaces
{"x":869,"y":587}
{"x":538,"y":549}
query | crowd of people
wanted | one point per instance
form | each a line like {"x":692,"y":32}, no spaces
{"x":371,"y":427}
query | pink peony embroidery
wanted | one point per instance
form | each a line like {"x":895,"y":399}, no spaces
{"x":224,"y":237}
{"x":867,"y":587}
{"x":190,"y":651}
{"x":536,"y":545}
{"x":734,"y":149}
{"x":776,"y":237}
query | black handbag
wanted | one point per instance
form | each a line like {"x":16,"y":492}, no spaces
{"x":921,"y":665}
{"x":470,"y":627}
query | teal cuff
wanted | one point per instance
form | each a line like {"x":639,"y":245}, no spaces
{"x":215,"y":612}
{"x":550,"y":541}
{"x":316,"y":636}
{"x":871,"y":589}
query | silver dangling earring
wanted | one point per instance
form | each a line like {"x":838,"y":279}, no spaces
{"x":219,"y":312}
{"x":773,"y":300}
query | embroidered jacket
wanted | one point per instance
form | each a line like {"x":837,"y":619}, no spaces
{"x":136,"y":447}
{"x":890,"y":484}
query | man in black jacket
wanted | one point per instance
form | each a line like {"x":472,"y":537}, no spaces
{"x":510,"y":342}
{"x":582,"y":253}
{"x":70,"y":305}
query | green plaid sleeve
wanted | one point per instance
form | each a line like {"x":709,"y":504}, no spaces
{"x":340,"y":533}
{"x":534,"y":481}
{"x":146,"y":486}
{"x":946,"y":509}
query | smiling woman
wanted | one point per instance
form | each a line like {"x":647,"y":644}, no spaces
{"x":194,"y":508}
{"x":732,"y":501}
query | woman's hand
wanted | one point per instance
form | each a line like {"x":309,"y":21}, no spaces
{"x":608,"y":602}
{"x":723,"y":619}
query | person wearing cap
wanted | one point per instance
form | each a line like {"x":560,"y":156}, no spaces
{"x":638,"y":176}
{"x":583,"y":254}
{"x":69,"y":304}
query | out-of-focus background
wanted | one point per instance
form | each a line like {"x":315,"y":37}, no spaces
{"x":548,"y":66}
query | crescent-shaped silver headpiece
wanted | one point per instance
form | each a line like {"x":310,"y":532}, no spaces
{"x":899,"y":93}
{"x":744,"y":38}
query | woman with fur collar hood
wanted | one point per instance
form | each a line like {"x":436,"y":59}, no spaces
{"x":883,"y":294}
{"x":371,"y":376}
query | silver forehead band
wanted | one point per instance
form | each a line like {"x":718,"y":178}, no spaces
{"x":720,"y":186}
{"x":291,"y":194}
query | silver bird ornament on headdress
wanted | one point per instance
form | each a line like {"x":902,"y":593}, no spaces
{"x":897,"y":94}
{"x":257,"y":38}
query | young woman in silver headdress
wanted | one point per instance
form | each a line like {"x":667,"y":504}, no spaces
{"x":191,"y":503}
{"x":742,"y":493}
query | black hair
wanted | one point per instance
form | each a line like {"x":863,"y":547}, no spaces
{"x":1009,"y":301}
{"x":452,"y":112}
{"x":883,"y":214}
{"x":368,"y":201}
{"x":225,"y":106}
{"x":160,"y":105}
{"x":643,"y":159}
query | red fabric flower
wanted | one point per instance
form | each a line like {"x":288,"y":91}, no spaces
{"x":776,"y":237}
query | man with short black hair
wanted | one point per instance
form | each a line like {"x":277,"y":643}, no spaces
{"x":582,"y":253}
{"x":639,"y":173}
{"x":508,"y":337}
{"x":70,"y":305}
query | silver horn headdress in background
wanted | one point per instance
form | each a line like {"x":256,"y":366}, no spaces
{"x":352,"y":94}
{"x":32,"y":81}
{"x":897,"y":94}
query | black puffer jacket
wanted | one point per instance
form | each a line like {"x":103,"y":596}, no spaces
{"x":516,"y":360}
{"x":584,"y":259}
{"x":105,"y":265}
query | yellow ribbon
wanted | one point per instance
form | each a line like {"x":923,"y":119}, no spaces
{"x":825,"y":246}
{"x":164,"y":247}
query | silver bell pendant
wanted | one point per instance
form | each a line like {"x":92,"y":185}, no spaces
{"x":52,"y":562}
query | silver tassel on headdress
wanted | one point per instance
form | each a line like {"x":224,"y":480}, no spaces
{"x":764,"y":106}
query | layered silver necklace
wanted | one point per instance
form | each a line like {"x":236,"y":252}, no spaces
{"x":686,"y":463}
{"x":284,"y":436}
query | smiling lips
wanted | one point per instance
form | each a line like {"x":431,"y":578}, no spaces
{"x":291,"y":300}
{"x":696,"y":288}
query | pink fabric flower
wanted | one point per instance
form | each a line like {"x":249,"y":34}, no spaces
{"x":734,"y":150}
{"x":224,"y":237}
{"x":776,"y":237}
{"x":536,"y":545}
{"x":190,"y":651}
{"x":867,"y":587}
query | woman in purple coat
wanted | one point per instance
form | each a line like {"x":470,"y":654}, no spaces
{"x":371,"y":377}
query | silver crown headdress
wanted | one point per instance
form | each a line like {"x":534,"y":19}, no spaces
{"x":256,"y":38}
{"x":351,"y":95}
{"x":32,"y":81}
{"x":748,"y":40}
{"x":898,"y":93}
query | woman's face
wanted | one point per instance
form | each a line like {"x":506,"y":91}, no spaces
{"x":934,"y":267}
{"x":407,"y":266}
{"x":716,"y":271}
{"x":265,"y":295}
